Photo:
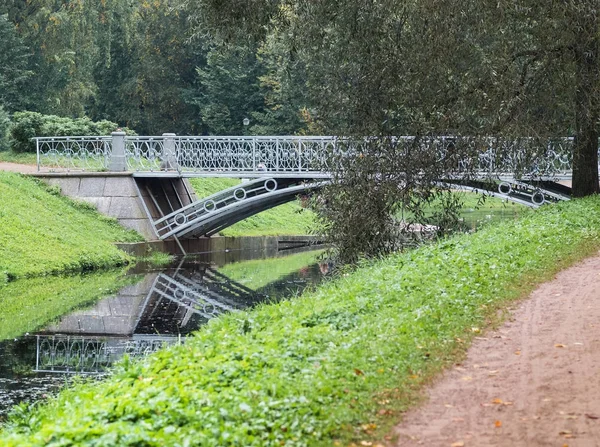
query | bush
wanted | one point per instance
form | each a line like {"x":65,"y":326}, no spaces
{"x":28,"y":125}
{"x":4,"y":125}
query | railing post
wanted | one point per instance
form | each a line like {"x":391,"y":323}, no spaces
{"x":254,"y":165}
{"x":37,"y":151}
{"x":117,"y":161}
{"x":169,"y":155}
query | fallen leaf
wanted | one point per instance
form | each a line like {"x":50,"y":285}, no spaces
{"x":458,"y":444}
{"x":560,"y":345}
{"x":591,"y":416}
{"x":498,"y":424}
{"x":564,"y":432}
{"x":467,"y":378}
{"x":493,"y":373}
{"x":517,"y":352}
{"x":475,"y":330}
{"x":367,"y":443}
{"x":358,"y":372}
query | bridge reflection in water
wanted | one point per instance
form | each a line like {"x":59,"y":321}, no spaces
{"x":177,"y":303}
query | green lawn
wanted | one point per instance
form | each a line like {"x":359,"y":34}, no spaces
{"x":338,"y":364}
{"x":15,"y":157}
{"x":46,"y":233}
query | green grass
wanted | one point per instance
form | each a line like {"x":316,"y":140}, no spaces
{"x":339,"y":363}
{"x":15,"y":157}
{"x":46,"y":233}
{"x":258,"y":273}
{"x":287,"y":219}
{"x":30,"y":304}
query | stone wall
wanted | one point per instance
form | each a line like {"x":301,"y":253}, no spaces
{"x":113,"y":194}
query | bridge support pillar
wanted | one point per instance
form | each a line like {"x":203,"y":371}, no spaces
{"x":117,"y":161}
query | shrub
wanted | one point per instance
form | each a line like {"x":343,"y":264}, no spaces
{"x":28,"y":125}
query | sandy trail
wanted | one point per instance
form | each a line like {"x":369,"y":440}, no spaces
{"x":533,"y":382}
{"x":17,"y":167}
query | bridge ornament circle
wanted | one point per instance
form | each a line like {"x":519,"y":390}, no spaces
{"x":210,"y":309}
{"x":210,"y":206}
{"x":271,"y":184}
{"x":504,"y":188}
{"x":180,"y":219}
{"x":538,"y":197}
{"x":179,"y":294}
{"x":239,"y":194}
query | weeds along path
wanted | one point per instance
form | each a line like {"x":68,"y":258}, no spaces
{"x":532,"y":382}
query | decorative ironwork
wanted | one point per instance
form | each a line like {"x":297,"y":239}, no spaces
{"x":146,"y":154}
{"x":92,"y":355}
{"x":73,"y":153}
{"x":303,"y":157}
{"x":226,"y":207}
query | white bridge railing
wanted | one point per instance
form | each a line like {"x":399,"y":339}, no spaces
{"x":296,"y":156}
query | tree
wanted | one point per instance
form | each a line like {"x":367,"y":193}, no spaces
{"x":229,"y":89}
{"x":14,"y":74}
{"x":430,"y":67}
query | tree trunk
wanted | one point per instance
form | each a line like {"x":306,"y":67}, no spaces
{"x":585,"y":150}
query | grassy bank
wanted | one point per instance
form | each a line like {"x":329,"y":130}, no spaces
{"x":339,"y":363}
{"x":15,"y":157}
{"x":30,"y":304}
{"x":46,"y":233}
{"x":287,"y":219}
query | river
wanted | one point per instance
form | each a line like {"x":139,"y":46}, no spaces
{"x":83,"y":324}
{"x":155,"y":308}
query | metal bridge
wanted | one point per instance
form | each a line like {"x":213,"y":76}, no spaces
{"x":277,"y":169}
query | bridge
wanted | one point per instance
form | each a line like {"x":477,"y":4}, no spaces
{"x":277,"y":169}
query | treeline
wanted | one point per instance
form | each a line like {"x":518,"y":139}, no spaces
{"x":136,"y":63}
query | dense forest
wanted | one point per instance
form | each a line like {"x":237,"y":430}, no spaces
{"x":137,"y":63}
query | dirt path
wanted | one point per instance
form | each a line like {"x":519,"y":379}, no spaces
{"x":533,"y":382}
{"x":17,"y":167}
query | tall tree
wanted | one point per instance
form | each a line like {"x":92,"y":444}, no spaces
{"x":427,"y":67}
{"x":14,"y":74}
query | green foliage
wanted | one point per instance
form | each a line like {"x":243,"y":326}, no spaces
{"x":4,"y":126}
{"x":44,"y":232}
{"x":14,"y":74}
{"x":27,"y":125}
{"x":30,"y":304}
{"x":287,"y":219}
{"x":320,"y":367}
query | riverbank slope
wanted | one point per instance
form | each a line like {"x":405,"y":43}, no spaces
{"x":336,"y":364}
{"x":46,"y":233}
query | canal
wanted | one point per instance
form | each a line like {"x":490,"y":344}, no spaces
{"x":154,"y":308}
{"x":88,"y":322}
